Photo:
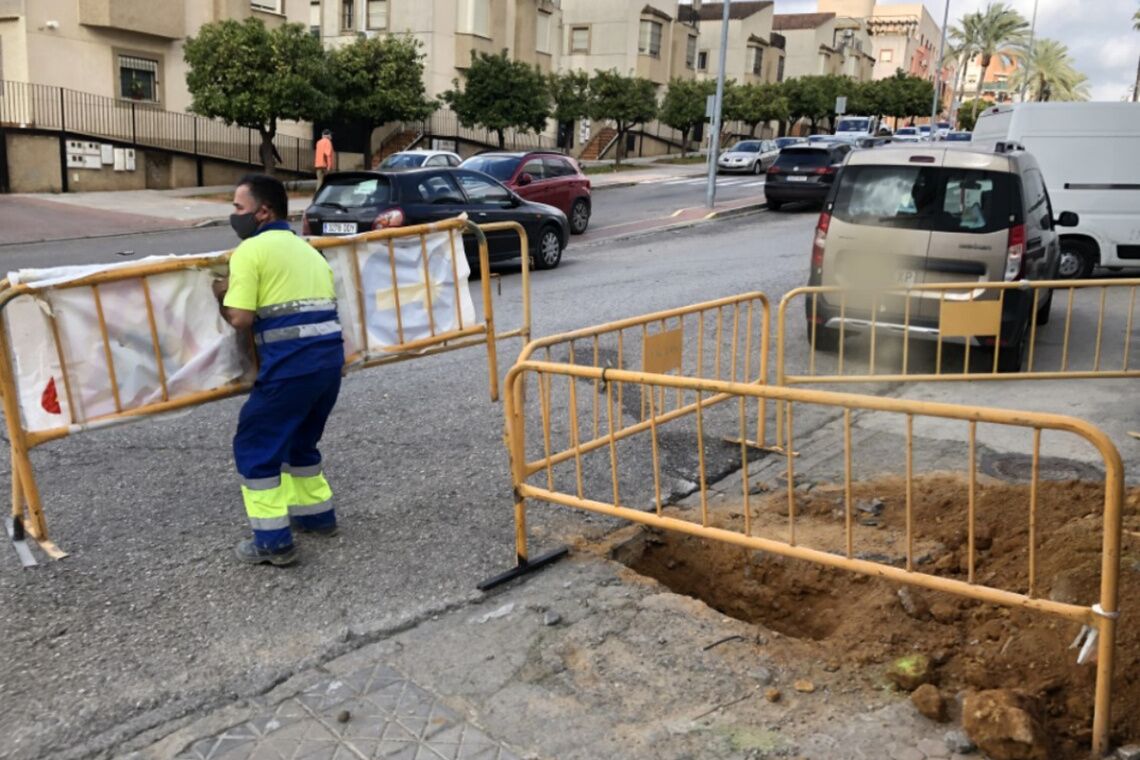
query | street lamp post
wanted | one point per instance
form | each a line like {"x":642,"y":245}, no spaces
{"x":1029,"y":53}
{"x":938,"y":74}
{"x":714,"y":139}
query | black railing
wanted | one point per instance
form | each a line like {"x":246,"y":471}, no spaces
{"x":141,"y":124}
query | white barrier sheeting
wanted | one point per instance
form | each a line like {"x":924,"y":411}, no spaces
{"x":200,"y":351}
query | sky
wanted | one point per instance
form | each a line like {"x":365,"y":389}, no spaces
{"x":1098,"y":33}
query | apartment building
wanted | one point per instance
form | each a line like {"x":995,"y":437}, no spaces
{"x":905,"y":36}
{"x":997,"y":86}
{"x":824,"y":43}
{"x":657,"y":40}
{"x":754,"y":53}
{"x":449,"y":30}
{"x":125,"y":49}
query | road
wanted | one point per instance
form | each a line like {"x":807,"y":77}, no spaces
{"x":151,"y":618}
{"x":612,"y":208}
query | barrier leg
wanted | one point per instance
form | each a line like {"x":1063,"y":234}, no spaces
{"x":489,"y":314}
{"x":1107,"y":609}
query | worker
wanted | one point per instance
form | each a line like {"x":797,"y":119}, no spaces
{"x":325,"y":155}
{"x":282,"y":288}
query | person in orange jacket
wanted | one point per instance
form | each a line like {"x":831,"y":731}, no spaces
{"x":325,"y":155}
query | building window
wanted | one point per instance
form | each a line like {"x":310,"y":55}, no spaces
{"x":757,"y":59}
{"x":886,"y":56}
{"x":780,"y":70}
{"x":691,"y":53}
{"x":138,"y":78}
{"x":649,"y":41}
{"x":542,"y":32}
{"x":475,"y":17}
{"x":315,"y":18}
{"x":269,"y":6}
{"x":377,"y":14}
{"x":703,"y":60}
{"x":579,"y":39}
{"x":347,"y":15}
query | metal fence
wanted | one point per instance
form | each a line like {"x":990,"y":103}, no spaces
{"x":146,"y":125}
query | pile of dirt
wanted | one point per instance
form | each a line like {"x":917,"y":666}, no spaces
{"x":862,"y":624}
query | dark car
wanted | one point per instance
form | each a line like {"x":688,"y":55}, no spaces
{"x":550,"y":178}
{"x":783,"y":142}
{"x":349,"y":203}
{"x":803,"y":173}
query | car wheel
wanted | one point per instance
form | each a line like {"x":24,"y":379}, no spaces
{"x":1012,"y":356}
{"x":775,"y":205}
{"x":1077,"y":260}
{"x":758,"y":167}
{"x":549,"y":251}
{"x":826,"y":338}
{"x":579,"y":216}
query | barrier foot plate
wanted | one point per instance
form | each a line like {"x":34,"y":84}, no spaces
{"x":524,"y":567}
{"x":20,"y":542}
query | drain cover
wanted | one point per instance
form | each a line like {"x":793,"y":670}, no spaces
{"x":1019,"y":467}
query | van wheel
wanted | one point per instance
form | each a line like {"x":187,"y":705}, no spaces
{"x":1077,"y":260}
{"x":826,"y":338}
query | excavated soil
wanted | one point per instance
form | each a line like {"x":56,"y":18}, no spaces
{"x":859,"y":623}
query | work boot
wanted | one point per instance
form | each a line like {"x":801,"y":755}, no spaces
{"x":305,"y":525}
{"x":249,"y":552}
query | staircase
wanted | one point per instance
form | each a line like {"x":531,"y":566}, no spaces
{"x":396,"y":143}
{"x":594,"y":148}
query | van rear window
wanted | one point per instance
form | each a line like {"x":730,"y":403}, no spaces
{"x":924,"y":198}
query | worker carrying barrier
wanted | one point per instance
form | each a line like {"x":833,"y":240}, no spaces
{"x":638,"y":472}
{"x":88,"y":347}
{"x":948,"y":331}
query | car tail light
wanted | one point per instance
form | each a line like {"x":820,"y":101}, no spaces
{"x":773,"y":169}
{"x":820,"y":240}
{"x":305,"y":229}
{"x":825,"y":170}
{"x":392,"y":217}
{"x":1015,"y":253}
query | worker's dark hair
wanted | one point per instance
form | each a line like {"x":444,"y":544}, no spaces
{"x":267,"y":191}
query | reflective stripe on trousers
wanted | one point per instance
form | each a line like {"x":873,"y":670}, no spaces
{"x":293,"y":332}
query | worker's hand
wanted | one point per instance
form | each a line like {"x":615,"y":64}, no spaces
{"x":220,"y":286}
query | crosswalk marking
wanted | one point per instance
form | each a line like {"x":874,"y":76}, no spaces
{"x":734,"y":182}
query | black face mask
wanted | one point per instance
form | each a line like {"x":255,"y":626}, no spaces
{"x":245,"y":225}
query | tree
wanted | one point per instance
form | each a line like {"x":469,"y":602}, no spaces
{"x":625,"y":100}
{"x":1049,"y":73}
{"x":570,"y":91}
{"x":966,"y":117}
{"x":254,"y":77}
{"x":380,"y":80}
{"x":756,"y":104}
{"x":807,"y":99}
{"x":999,"y":30}
{"x":964,"y":48}
{"x":500,"y":94}
{"x":683,"y":107}
{"x":1136,"y":85}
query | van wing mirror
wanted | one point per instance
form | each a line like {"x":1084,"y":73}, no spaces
{"x":1068,"y":219}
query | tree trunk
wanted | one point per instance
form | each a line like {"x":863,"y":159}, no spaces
{"x":1136,"y":87}
{"x":502,"y":139}
{"x":369,"y":127}
{"x":267,"y":151}
{"x":957,"y":92}
{"x":620,"y":144}
{"x":985,"y":63}
{"x":685,"y":142}
{"x":752,"y":130}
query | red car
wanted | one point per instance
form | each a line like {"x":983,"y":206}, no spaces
{"x":540,"y":177}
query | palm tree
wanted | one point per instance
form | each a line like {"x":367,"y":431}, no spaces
{"x":1050,"y":72}
{"x":999,"y":29}
{"x":1136,"y":87}
{"x":962,"y":49}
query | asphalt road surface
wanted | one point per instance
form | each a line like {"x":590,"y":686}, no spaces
{"x":612,"y":207}
{"x":151,"y":618}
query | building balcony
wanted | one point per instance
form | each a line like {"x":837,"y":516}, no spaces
{"x":136,"y":16}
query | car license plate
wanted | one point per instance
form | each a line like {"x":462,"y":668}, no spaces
{"x":796,"y":178}
{"x":339,"y":228}
{"x":906,"y":277}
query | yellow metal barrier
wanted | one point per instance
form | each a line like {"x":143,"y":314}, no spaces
{"x":600,"y":483}
{"x":27,"y":515}
{"x":900,"y":322}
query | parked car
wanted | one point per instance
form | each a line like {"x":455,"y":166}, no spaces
{"x":906,"y":134}
{"x":550,"y":178}
{"x":1090,"y":157}
{"x":783,"y":142}
{"x":855,"y":128}
{"x":957,"y":137}
{"x":414,"y":159}
{"x":349,"y":203}
{"x":910,"y":215}
{"x":803,"y":173}
{"x":752,"y":156}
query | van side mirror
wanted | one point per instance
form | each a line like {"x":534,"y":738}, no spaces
{"x":1068,"y":219}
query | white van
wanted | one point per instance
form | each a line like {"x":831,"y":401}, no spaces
{"x":1090,"y":156}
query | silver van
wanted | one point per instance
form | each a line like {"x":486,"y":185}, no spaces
{"x":916,"y":214}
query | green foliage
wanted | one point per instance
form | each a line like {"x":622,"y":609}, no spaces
{"x":683,"y":107}
{"x":248,"y":75}
{"x":626,"y":100}
{"x":380,"y":80}
{"x":570,"y":91}
{"x":755,"y":104}
{"x":1049,"y":72}
{"x":967,"y":114}
{"x":806,"y":99}
{"x":500,"y":94}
